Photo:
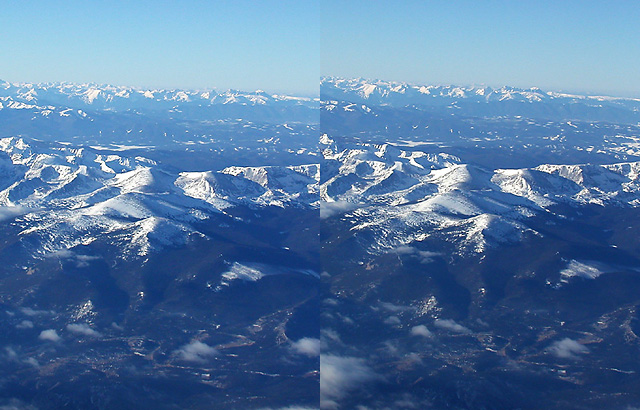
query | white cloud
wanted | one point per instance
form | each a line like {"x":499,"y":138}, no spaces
{"x":11,"y":354}
{"x":451,"y":325}
{"x":423,"y":256}
{"x":50,"y":335}
{"x":420,"y":330}
{"x":329,"y":209}
{"x":339,"y":375}
{"x":413,"y":358}
{"x":82,"y":329}
{"x":587,"y":270}
{"x":404,"y":250}
{"x":307,"y":346}
{"x":391,"y":347}
{"x":330,"y":335}
{"x":62,"y":254}
{"x":32,"y":312}
{"x":196,"y":352}
{"x":25,"y":324}
{"x":393,"y":321}
{"x":394,"y":308}
{"x":82,"y":261}
{"x":330,"y":302}
{"x":567,"y":349}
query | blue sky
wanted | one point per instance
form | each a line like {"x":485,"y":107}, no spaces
{"x":579,"y":46}
{"x":267,"y":44}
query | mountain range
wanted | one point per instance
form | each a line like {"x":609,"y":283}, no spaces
{"x":479,"y":247}
{"x":402,"y":246}
{"x":159,"y":249}
{"x":480,"y":101}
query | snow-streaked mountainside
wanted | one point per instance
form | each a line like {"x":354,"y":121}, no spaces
{"x":157,"y":229}
{"x":59,"y":196}
{"x":479,"y":101}
{"x":403,"y":194}
{"x":481,"y":245}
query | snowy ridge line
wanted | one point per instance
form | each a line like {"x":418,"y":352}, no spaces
{"x":395,"y":175}
{"x":90,"y":93}
{"x":62,"y":196}
{"x":402,"y":196}
{"x":358,"y":99}
{"x":369,"y":89}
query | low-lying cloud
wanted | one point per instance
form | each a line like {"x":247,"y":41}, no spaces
{"x":25,"y":324}
{"x":451,"y":325}
{"x":423,"y":256}
{"x":567,"y":349}
{"x":394,"y":308}
{"x":196,"y":352}
{"x":82,"y":261}
{"x":10,"y":212}
{"x":49,"y":335}
{"x":393,"y":321}
{"x":420,"y":330}
{"x":341,"y":374}
{"x":307,"y":346}
{"x":329,"y":209}
{"x":82,"y":329}
{"x":33,"y":312}
{"x":15,"y":404}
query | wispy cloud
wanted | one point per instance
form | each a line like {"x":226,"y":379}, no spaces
{"x":33,"y":312}
{"x":31,"y":361}
{"x":10,"y":212}
{"x":12,"y":355}
{"x":25,"y":324}
{"x":82,"y":261}
{"x":340,"y":375}
{"x":392,"y":321}
{"x":329,"y":209}
{"x":451,"y":325}
{"x":330,"y":335}
{"x":423,"y":256}
{"x":82,"y":329}
{"x":394,"y":308}
{"x":15,"y":404}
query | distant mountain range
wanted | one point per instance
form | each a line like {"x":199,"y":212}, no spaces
{"x":56,"y":98}
{"x":480,"y":101}
{"x":480,"y":247}
{"x":105,"y":115}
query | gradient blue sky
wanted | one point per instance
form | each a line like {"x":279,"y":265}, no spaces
{"x":267,"y":44}
{"x":579,"y":46}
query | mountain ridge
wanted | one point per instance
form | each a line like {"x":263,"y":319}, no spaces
{"x":69,"y":196}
